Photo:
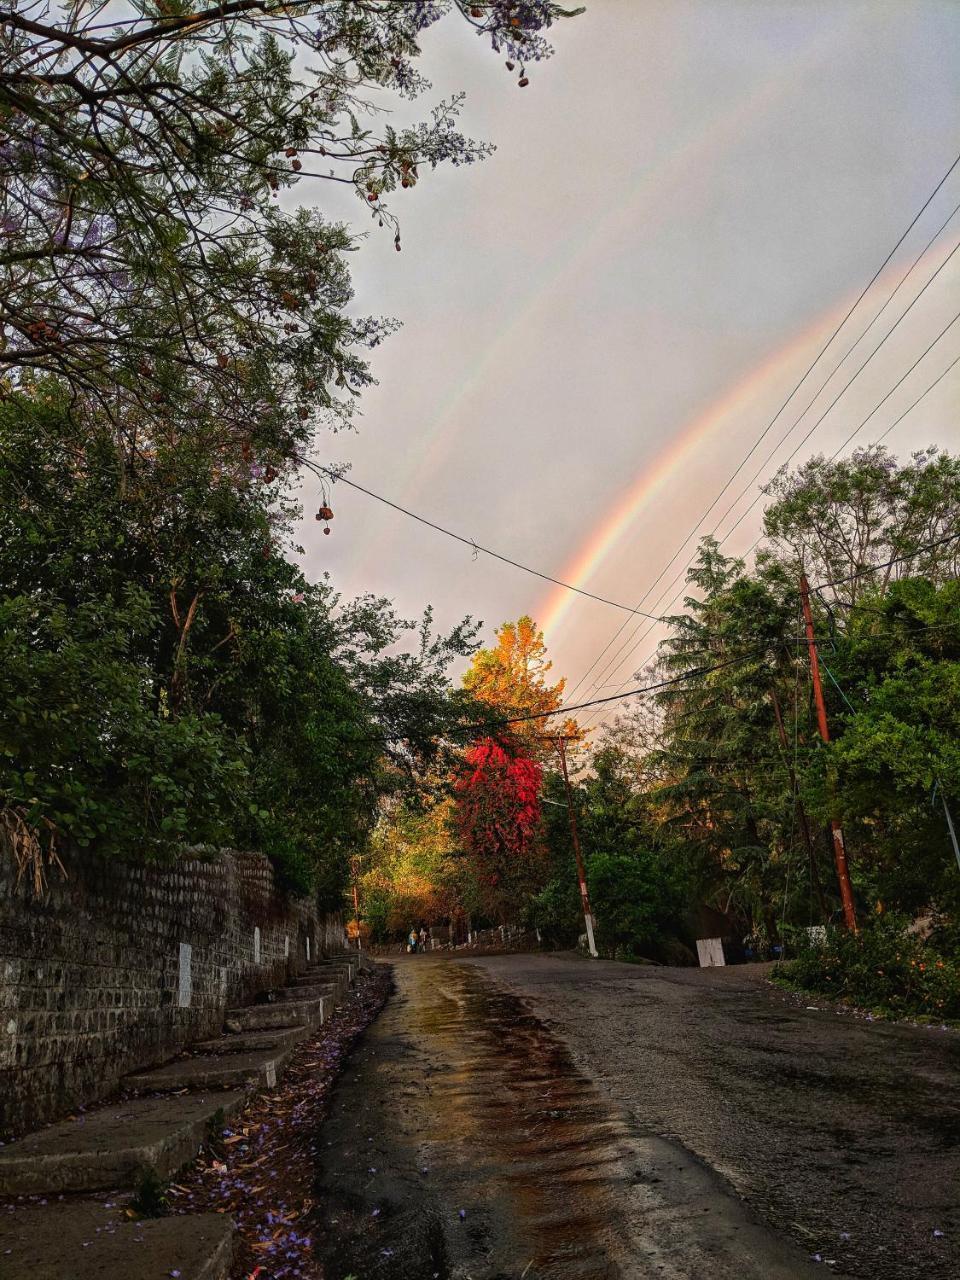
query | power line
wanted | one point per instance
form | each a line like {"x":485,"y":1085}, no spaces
{"x":909,"y":555}
{"x":616,"y":697}
{"x":910,"y":407}
{"x":803,"y":379}
{"x":874,"y":568}
{"x":475,"y":547}
{"x":796,"y":450}
{"x":790,"y":456}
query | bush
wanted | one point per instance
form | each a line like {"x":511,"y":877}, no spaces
{"x":883,"y":968}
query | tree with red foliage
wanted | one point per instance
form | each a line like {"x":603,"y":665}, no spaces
{"x":498,"y":819}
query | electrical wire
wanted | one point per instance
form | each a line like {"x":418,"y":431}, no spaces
{"x":485,"y":727}
{"x":335,"y":477}
{"x":886,"y":564}
{"x":803,"y":379}
{"x":867,"y":569}
{"x":623,"y":650}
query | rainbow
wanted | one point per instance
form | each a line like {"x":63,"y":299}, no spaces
{"x":605,"y":536}
{"x":602,"y":540}
{"x":647,"y":198}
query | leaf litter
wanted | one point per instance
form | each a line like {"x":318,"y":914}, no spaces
{"x":262,"y":1169}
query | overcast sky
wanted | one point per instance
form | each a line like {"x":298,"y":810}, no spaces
{"x":599,"y":320}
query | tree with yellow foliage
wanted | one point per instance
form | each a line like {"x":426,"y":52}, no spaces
{"x":512,"y":678}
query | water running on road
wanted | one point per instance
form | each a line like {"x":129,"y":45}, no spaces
{"x":465,"y":1143}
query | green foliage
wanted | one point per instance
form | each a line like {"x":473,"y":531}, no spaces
{"x":731,"y":793}
{"x":883,"y":968}
{"x":836,"y":517}
{"x":148,"y":264}
{"x":638,"y":898}
{"x":897,"y":741}
{"x":638,"y":895}
{"x":168,"y":676}
{"x":150,"y":1198}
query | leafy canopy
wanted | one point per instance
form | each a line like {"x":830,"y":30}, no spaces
{"x":148,"y":261}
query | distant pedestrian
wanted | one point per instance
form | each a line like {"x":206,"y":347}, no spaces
{"x":423,"y":938}
{"x":412,"y":941}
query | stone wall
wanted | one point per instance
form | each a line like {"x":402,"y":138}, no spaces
{"x":121,"y":965}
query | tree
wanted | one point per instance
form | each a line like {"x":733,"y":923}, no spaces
{"x":412,"y":877}
{"x":167,"y":674}
{"x":497,"y":817}
{"x":146,"y":260}
{"x":725,"y":794}
{"x":637,"y":888}
{"x":837,"y":517}
{"x":895,"y":755}
{"x":511,"y":679}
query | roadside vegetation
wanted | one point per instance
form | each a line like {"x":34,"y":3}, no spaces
{"x":174,"y":341}
{"x":705,"y":809}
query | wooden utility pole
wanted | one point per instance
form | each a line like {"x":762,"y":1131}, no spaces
{"x":560,"y":743}
{"x":801,"y":811}
{"x":355,"y":869}
{"x":839,"y":849}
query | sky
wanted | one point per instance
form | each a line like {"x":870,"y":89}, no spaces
{"x":600,"y":320}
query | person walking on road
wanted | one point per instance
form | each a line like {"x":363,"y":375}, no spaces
{"x":423,"y":937}
{"x":412,"y":941}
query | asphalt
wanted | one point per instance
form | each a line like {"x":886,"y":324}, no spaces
{"x":839,"y":1134}
{"x":468,"y":1140}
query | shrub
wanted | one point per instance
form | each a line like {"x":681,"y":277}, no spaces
{"x":883,"y":967}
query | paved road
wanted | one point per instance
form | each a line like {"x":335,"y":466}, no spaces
{"x":546,"y":1117}
{"x":841,"y":1135}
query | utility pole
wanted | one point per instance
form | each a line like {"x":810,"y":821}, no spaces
{"x":839,"y":849}
{"x":560,"y":743}
{"x":950,"y":826}
{"x":355,"y":869}
{"x":801,"y":811}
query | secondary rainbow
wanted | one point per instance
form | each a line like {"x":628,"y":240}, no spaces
{"x":648,"y":198}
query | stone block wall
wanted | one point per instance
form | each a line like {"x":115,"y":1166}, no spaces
{"x":121,"y":965}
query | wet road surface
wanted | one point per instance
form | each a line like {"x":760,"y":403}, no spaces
{"x":840,"y":1134}
{"x":465,"y":1143}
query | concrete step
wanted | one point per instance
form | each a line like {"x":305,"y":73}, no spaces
{"x":335,"y":962}
{"x":85,"y":1240}
{"x":109,"y":1148}
{"x":314,"y":976}
{"x":344,"y":973}
{"x":310,"y":991}
{"x":251,"y":1041}
{"x":213,"y":1071}
{"x":281,"y":1013}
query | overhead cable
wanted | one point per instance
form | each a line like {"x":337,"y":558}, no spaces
{"x":623,"y":649}
{"x":338,"y":477}
{"x":796,"y":388}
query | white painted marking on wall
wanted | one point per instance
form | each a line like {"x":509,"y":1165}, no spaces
{"x":256,"y":945}
{"x":12,"y":1027}
{"x":286,"y":946}
{"x":271,"y":1075}
{"x":308,"y":948}
{"x":185,"y":976}
{"x":223,"y":983}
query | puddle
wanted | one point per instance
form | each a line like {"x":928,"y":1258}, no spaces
{"x":468,"y":1144}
